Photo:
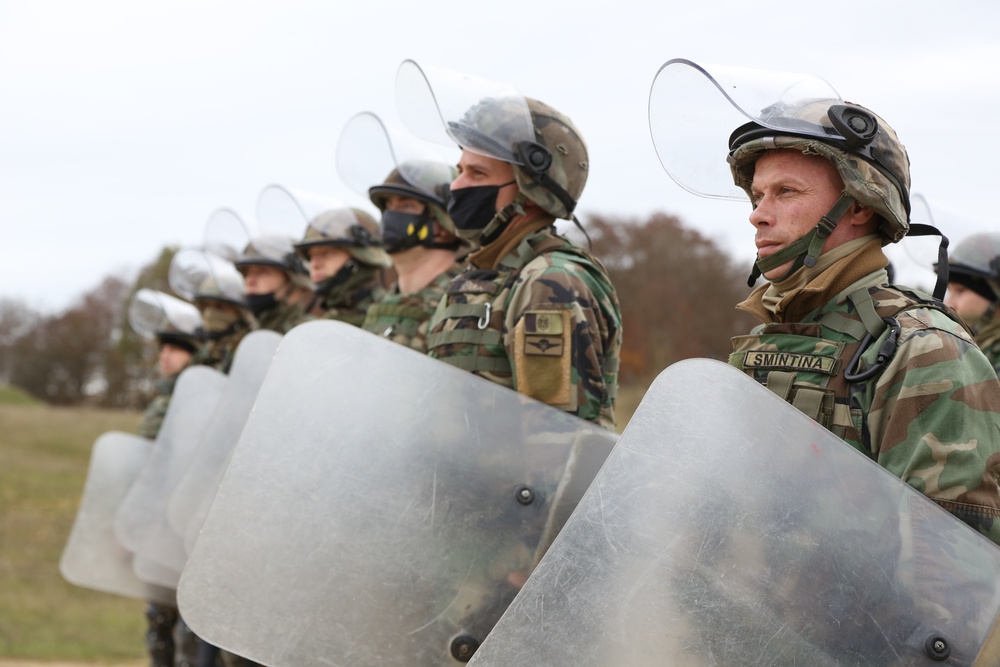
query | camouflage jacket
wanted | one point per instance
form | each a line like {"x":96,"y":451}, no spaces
{"x":282,"y":317}
{"x":404,"y":318}
{"x":544,"y":322}
{"x":152,"y":418}
{"x":349,"y":301}
{"x":988,"y":340}
{"x":218,"y":353}
{"x":928,"y":411}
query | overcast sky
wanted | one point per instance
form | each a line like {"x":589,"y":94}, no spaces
{"x":123,"y":125}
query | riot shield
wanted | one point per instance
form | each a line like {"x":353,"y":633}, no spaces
{"x":729,"y":529}
{"x":93,"y":557}
{"x":141,"y":522}
{"x":196,"y":486}
{"x":380,"y":507}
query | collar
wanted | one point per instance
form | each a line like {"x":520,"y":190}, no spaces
{"x":771,"y":304}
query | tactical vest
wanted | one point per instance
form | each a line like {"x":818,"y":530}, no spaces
{"x":467,"y":330}
{"x":282,"y":317}
{"x":824,"y":367}
{"x":403,"y":318}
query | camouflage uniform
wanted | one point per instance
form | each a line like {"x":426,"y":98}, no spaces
{"x":544,"y":320}
{"x":405,"y":318}
{"x":218,"y":352}
{"x":988,"y":340}
{"x":975,"y":265}
{"x":533,"y":312}
{"x":891,"y":371}
{"x":282,"y":317}
{"x":349,"y":302}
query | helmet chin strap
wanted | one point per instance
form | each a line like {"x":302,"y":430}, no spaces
{"x":495,"y":228}
{"x":806,"y":250}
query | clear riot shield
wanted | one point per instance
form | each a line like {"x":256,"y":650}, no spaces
{"x":380,"y":507}
{"x":729,"y":529}
{"x":141,"y":522}
{"x":93,"y":557}
{"x":198,"y":482}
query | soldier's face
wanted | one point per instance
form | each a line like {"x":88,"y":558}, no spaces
{"x":263,"y":279}
{"x":326,"y":260}
{"x":792,"y":191}
{"x":968,"y":304}
{"x":477,"y":170}
{"x":402,"y":204}
{"x":172,"y":359}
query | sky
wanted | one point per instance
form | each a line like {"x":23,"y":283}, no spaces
{"x":124,"y":125}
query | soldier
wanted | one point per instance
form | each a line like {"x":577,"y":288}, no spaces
{"x":890,"y":370}
{"x":974,"y":289}
{"x":176,"y":327}
{"x":276,"y":283}
{"x":419,"y":237}
{"x":216,"y":289}
{"x":416,"y":230}
{"x":345,"y":260}
{"x":532,"y":311}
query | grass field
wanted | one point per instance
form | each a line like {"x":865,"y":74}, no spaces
{"x":43,"y":462}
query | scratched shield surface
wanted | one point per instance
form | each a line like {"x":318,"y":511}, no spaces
{"x":380,"y":506}
{"x":727,"y":528}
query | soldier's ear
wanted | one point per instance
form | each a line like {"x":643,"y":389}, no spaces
{"x":860,"y":216}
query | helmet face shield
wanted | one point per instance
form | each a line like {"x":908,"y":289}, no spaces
{"x":694,"y":109}
{"x":226,"y":234}
{"x":197,"y":274}
{"x":482,"y":116}
{"x":287,"y":212}
{"x":369,"y":150}
{"x":151,"y":312}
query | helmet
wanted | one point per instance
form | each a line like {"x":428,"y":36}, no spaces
{"x":975,"y":263}
{"x":278,"y":252}
{"x":842,"y":133}
{"x":198,"y":275}
{"x":550,"y":164}
{"x":154,"y":314}
{"x":349,"y":228}
{"x":546,"y":150}
{"x":422,"y":180}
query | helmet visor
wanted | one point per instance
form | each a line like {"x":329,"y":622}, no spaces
{"x":482,"y":116}
{"x":370,"y":149}
{"x":288,"y":211}
{"x":199,"y":274}
{"x":151,"y":312}
{"x":226,"y":234}
{"x":694,"y":109}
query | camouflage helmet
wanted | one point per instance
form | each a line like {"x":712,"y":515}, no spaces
{"x":842,"y":133}
{"x":423,"y":180}
{"x":975,"y":263}
{"x":550,"y":167}
{"x":278,"y":252}
{"x":349,"y":228}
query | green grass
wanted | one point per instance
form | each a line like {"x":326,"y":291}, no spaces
{"x":15,"y":396}
{"x":44,"y":452}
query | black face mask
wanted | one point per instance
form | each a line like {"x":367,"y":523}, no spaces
{"x":472,"y":209}
{"x":260,"y":303}
{"x":402,"y":231}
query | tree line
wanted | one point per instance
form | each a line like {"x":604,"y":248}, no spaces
{"x":677,"y":291}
